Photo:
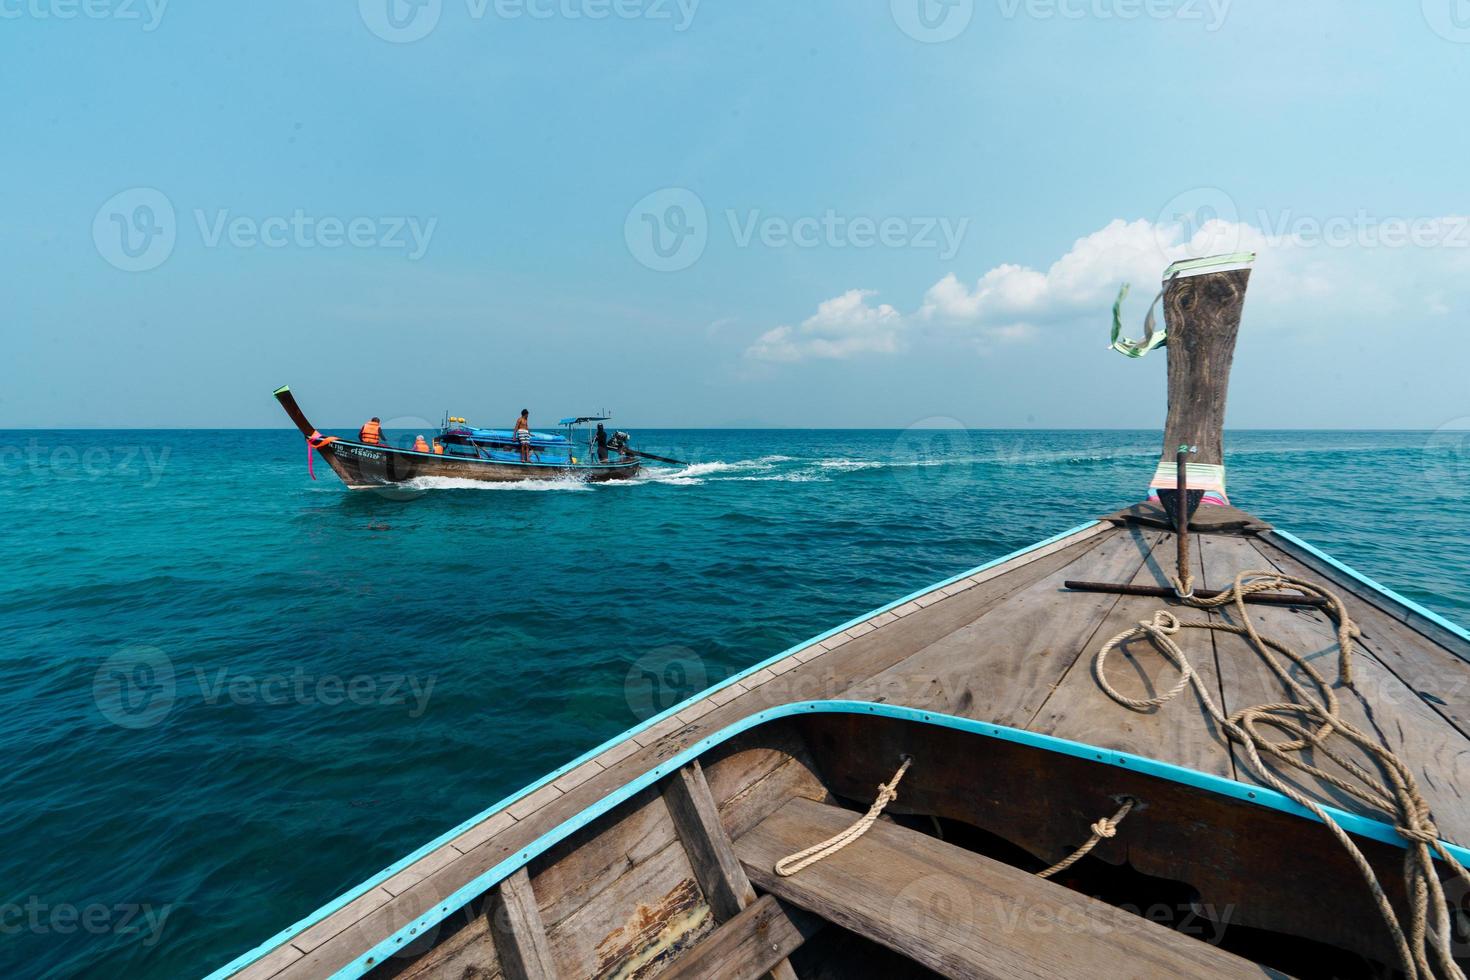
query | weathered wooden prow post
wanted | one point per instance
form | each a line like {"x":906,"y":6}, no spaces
{"x":1203,"y":299}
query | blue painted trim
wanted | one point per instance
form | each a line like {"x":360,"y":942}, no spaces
{"x":1219,"y":785}
{"x":351,"y":894}
{"x":480,"y":459}
{"x":1383,"y":590}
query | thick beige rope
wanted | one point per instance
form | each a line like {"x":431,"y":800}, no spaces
{"x":887,"y":793}
{"x":1308,"y":721}
{"x":1103,"y":829}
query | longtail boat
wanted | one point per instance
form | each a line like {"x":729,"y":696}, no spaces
{"x":1172,"y":741}
{"x":469,"y":453}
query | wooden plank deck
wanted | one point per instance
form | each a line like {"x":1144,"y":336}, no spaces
{"x":1181,"y":731}
{"x":1008,"y":645}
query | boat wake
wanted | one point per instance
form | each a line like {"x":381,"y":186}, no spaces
{"x":697,"y":473}
{"x":792,"y":469}
{"x":455,"y":483}
{"x":772,"y":469}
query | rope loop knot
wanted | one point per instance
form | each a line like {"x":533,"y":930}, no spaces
{"x":887,"y":793}
{"x":1104,"y":828}
{"x":1164,"y":622}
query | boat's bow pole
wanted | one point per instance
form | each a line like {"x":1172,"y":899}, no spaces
{"x":288,"y":402}
{"x":1203,"y":299}
{"x":315,"y":441}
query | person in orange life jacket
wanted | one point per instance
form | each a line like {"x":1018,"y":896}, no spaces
{"x":438,"y":448}
{"x":420,"y":445}
{"x":523,"y":434}
{"x":371,"y":432}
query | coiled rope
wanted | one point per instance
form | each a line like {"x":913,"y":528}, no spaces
{"x":1308,"y":721}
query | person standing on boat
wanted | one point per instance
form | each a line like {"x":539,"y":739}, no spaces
{"x":523,"y":434}
{"x":420,"y":445}
{"x":371,"y":432}
{"x":601,"y":443}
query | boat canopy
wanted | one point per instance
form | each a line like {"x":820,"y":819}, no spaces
{"x":585,"y":418}
{"x":501,"y":435}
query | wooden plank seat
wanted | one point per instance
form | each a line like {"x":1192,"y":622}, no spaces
{"x":962,"y":914}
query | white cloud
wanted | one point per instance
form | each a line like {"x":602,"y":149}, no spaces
{"x":1082,"y":282}
{"x":841,"y":327}
{"x":1306,"y":270}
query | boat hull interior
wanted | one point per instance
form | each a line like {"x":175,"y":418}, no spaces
{"x":624,"y":898}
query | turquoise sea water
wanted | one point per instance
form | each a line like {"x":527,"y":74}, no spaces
{"x":232,"y":693}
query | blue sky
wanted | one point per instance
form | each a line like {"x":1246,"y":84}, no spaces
{"x":868,"y":217}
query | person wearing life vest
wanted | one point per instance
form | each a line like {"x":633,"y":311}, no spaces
{"x":438,"y":448}
{"x":420,"y":445}
{"x":523,"y":434}
{"x":371,"y":433}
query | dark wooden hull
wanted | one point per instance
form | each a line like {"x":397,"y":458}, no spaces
{"x":363,"y":467}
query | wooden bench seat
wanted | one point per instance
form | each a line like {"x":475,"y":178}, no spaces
{"x":962,"y":914}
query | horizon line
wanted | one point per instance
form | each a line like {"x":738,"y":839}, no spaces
{"x":759,"y":428}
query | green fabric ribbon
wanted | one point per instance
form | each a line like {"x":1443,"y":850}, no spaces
{"x":1136,"y":348}
{"x":1186,"y":267}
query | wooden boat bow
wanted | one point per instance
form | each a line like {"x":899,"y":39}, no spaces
{"x":653,"y":853}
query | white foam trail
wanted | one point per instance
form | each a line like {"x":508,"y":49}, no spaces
{"x":849,"y":464}
{"x":696,"y":469}
{"x":458,"y":483}
{"x":784,"y":478}
{"x":669,"y":478}
{"x":695,"y":472}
